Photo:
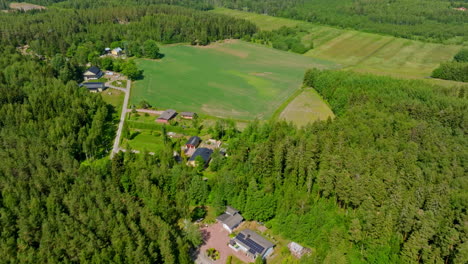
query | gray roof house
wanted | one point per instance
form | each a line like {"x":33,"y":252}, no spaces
{"x":166,"y":116}
{"x":188,"y":115}
{"x":230,"y":219}
{"x":205,"y":153}
{"x":93,"y":73}
{"x":252,"y":244}
{"x":94,"y":86}
{"x":193,"y":142}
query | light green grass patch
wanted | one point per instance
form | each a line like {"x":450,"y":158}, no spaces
{"x":307,"y":107}
{"x":146,"y":141}
{"x":115,"y":98}
{"x":231,"y":80}
{"x":360,"y":51}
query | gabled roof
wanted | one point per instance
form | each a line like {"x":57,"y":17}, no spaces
{"x":118,"y":49}
{"x":168,"y":114}
{"x":231,"y":210}
{"x":205,"y":153}
{"x":194,"y":141}
{"x":255,"y":243}
{"x":230,"y":220}
{"x":94,"y":70}
{"x":187,"y":114}
{"x":93,"y":85}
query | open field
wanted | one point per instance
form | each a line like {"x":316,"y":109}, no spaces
{"x":25,"y":6}
{"x":360,"y":51}
{"x":234,"y":79}
{"x":307,"y":107}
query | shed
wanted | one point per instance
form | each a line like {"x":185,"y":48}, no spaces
{"x":188,"y":115}
{"x":193,"y":142}
{"x":166,"y":116}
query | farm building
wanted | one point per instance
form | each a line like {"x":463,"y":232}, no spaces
{"x":92,"y":73}
{"x":166,"y":116}
{"x":205,"y":153}
{"x":117,"y":51}
{"x":94,"y":86}
{"x":297,"y":250}
{"x":252,"y":244}
{"x":193,"y":142}
{"x":188,"y":115}
{"x":230,"y":219}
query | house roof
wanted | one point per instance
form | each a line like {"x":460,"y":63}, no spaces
{"x":231,"y":210}
{"x":118,"y":49}
{"x":255,"y":243}
{"x":94,"y":70}
{"x":230,"y":220}
{"x":168,"y":114}
{"x":194,"y":141}
{"x":93,"y":85}
{"x":187,"y":114}
{"x":205,"y":153}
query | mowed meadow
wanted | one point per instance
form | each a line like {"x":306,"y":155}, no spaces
{"x":360,"y":51}
{"x":233,"y":79}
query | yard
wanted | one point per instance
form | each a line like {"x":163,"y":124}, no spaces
{"x":235,"y":79}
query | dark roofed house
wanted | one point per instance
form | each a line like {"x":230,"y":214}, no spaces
{"x":188,"y":115}
{"x":252,"y":244}
{"x":230,"y":219}
{"x":94,"y":86}
{"x":92,"y":73}
{"x":205,"y":153}
{"x":193,"y":142}
{"x":166,"y":116}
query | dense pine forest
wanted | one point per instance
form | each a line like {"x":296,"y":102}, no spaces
{"x":383,"y":182}
{"x":429,"y":20}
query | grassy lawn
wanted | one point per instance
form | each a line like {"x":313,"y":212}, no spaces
{"x":359,"y":51}
{"x":145,"y":140}
{"x":123,"y":83}
{"x":308,"y":106}
{"x":235,"y":80}
{"x":114,"y":98}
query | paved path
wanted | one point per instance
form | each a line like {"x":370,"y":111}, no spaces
{"x":115,"y":149}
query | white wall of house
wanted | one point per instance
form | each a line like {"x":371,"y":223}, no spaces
{"x":227,"y":228}
{"x":267,"y":253}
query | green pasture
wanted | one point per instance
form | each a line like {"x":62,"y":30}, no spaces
{"x":235,"y":79}
{"x":360,"y":51}
{"x":306,"y":107}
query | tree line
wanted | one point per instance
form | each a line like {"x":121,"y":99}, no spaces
{"x":455,"y":70}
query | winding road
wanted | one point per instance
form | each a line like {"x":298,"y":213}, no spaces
{"x":116,"y":149}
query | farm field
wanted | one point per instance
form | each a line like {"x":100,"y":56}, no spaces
{"x":306,"y":107}
{"x":234,"y":79}
{"x":360,"y":51}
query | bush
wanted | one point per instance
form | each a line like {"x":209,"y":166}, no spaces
{"x":455,"y":71}
{"x":461,"y":56}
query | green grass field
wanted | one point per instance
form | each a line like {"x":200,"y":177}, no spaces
{"x":236,"y":79}
{"x":360,"y":51}
{"x":308,"y":106}
{"x":115,"y":98}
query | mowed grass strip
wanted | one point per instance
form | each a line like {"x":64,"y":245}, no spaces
{"x":360,"y":51}
{"x":236,"y":79}
{"x":307,"y":107}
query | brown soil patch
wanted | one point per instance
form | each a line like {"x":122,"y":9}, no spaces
{"x":26,"y":6}
{"x":261,"y":74}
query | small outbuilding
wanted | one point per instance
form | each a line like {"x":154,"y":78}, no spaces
{"x":93,"y":73}
{"x":94,"y":87}
{"x":166,"y":116}
{"x":230,"y":219}
{"x":297,"y":250}
{"x":193,"y":142}
{"x":117,"y":51}
{"x":188,"y":115}
{"x":204,"y":153}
